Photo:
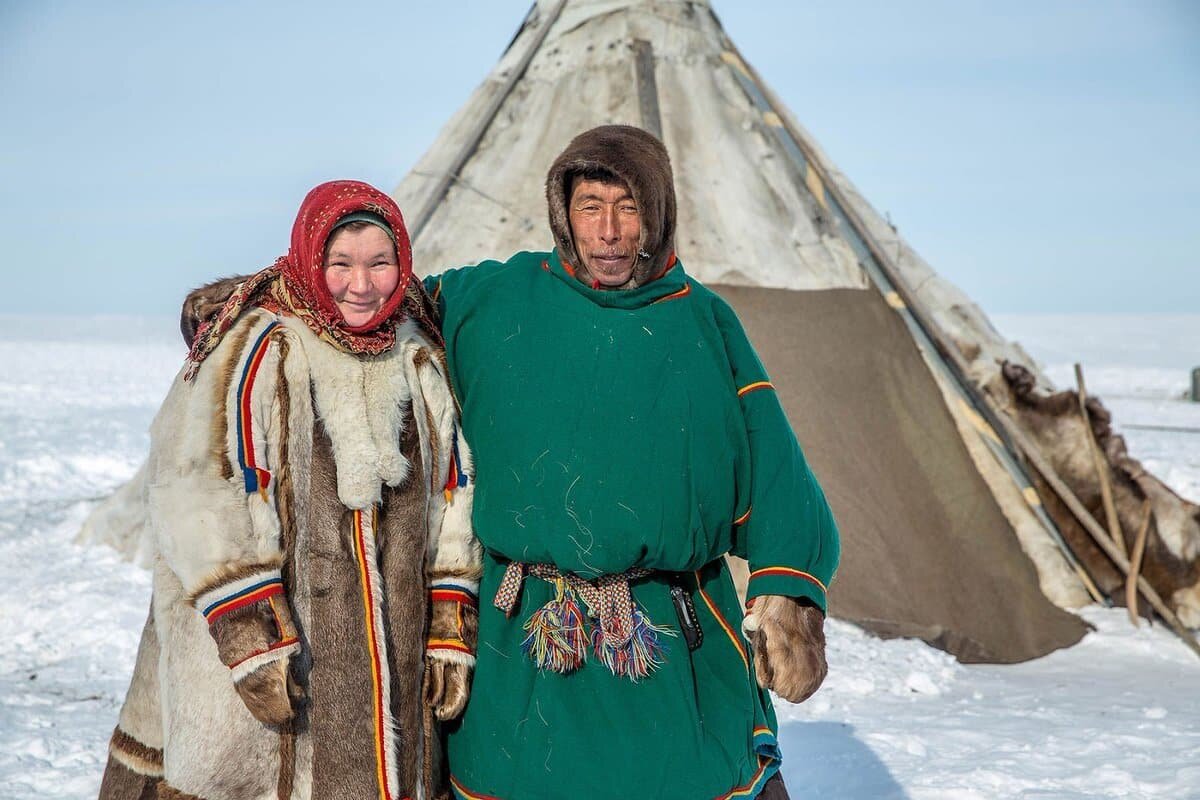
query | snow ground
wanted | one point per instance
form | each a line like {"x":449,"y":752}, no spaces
{"x":1117,"y":716}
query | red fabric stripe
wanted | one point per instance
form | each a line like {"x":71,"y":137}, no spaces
{"x":242,"y":602}
{"x":453,"y":596}
{"x":248,"y":390}
{"x":276,"y":646}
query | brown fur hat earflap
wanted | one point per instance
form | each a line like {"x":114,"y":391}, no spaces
{"x":638,"y":159}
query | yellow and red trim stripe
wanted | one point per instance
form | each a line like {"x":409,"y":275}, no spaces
{"x":255,"y":477}
{"x":373,"y":652}
{"x":788,"y":572}
{"x":729,"y":631}
{"x":452,"y":596}
{"x":754,"y":387}
{"x":449,"y":644}
{"x":755,"y":784}
{"x":742,"y":519}
{"x":466,"y":793}
{"x":263,"y":590}
{"x":684,"y":292}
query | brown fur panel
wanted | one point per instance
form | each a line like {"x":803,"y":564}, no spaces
{"x":1055,"y":423}
{"x":642,"y":162}
{"x":231,"y":572}
{"x":203,"y":304}
{"x":285,"y":502}
{"x":338,"y":677}
{"x":122,"y":783}
{"x":137,"y":756}
{"x":789,"y":647}
{"x":287,"y":762}
{"x":168,"y":792}
{"x":403,"y":530}
{"x":220,"y":428}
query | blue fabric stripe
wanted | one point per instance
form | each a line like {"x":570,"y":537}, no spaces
{"x":242,"y":593}
{"x":249,"y":475}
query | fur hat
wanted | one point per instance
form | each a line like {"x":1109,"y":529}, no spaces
{"x":638,"y":159}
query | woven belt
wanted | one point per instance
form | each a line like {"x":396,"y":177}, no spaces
{"x":557,"y":639}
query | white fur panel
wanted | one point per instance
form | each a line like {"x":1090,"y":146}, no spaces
{"x":454,"y":581}
{"x":452,"y":543}
{"x":449,"y":656}
{"x":244,"y":668}
{"x":202,"y":527}
{"x":361,"y":401}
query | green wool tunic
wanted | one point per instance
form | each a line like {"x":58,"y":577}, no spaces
{"x":619,"y":429}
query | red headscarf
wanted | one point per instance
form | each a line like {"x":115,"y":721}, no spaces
{"x":295,"y":283}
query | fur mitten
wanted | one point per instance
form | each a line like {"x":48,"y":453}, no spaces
{"x":251,"y":622}
{"x":450,"y":652}
{"x":788,"y":637}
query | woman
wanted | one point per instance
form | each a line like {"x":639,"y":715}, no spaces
{"x":306,"y":490}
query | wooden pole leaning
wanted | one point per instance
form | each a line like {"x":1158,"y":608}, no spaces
{"x":1106,"y":493}
{"x":1098,"y":534}
{"x":1135,"y":563}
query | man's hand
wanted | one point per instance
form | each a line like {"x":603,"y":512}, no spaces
{"x":788,"y":637}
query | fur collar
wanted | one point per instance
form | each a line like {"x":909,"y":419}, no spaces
{"x":361,"y":400}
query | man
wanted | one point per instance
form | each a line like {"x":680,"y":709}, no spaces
{"x":626,"y":437}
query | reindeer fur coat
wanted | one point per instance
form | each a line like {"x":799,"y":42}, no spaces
{"x":294,"y":494}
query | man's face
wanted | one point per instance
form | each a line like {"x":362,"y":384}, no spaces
{"x":607,"y":229}
{"x":361,"y":272}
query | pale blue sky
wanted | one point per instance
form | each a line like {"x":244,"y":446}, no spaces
{"x":1043,"y":155}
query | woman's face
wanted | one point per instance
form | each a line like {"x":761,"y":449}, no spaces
{"x":361,"y":272}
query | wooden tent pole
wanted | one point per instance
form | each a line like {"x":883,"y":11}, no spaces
{"x":1139,"y":547}
{"x":451,"y":173}
{"x":1099,"y":534}
{"x":1106,"y":493}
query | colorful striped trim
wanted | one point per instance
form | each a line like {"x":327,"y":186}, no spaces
{"x":754,"y":387}
{"x":253,"y":661}
{"x":742,"y":519}
{"x":453,"y":596}
{"x":466,"y":794}
{"x":239,"y":593}
{"x":255,"y":477}
{"x":437,"y":291}
{"x":787,"y":572}
{"x":455,"y":477}
{"x":684,"y":292}
{"x":457,"y":645}
{"x":756,"y":782}
{"x":374,"y":626}
{"x":729,"y":631}
{"x":249,"y":597}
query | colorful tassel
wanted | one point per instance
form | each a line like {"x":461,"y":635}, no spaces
{"x":635,"y":655}
{"x":556,"y":639}
{"x":455,"y":478}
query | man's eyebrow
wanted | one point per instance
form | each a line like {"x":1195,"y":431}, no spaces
{"x":590,"y":196}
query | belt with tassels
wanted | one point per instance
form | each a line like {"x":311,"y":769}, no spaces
{"x":611,"y":624}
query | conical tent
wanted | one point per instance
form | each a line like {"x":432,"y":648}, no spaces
{"x":943,"y":537}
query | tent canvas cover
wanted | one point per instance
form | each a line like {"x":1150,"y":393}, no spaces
{"x":943,"y":536}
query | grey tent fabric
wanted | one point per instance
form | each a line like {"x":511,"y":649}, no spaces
{"x":926,"y":551}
